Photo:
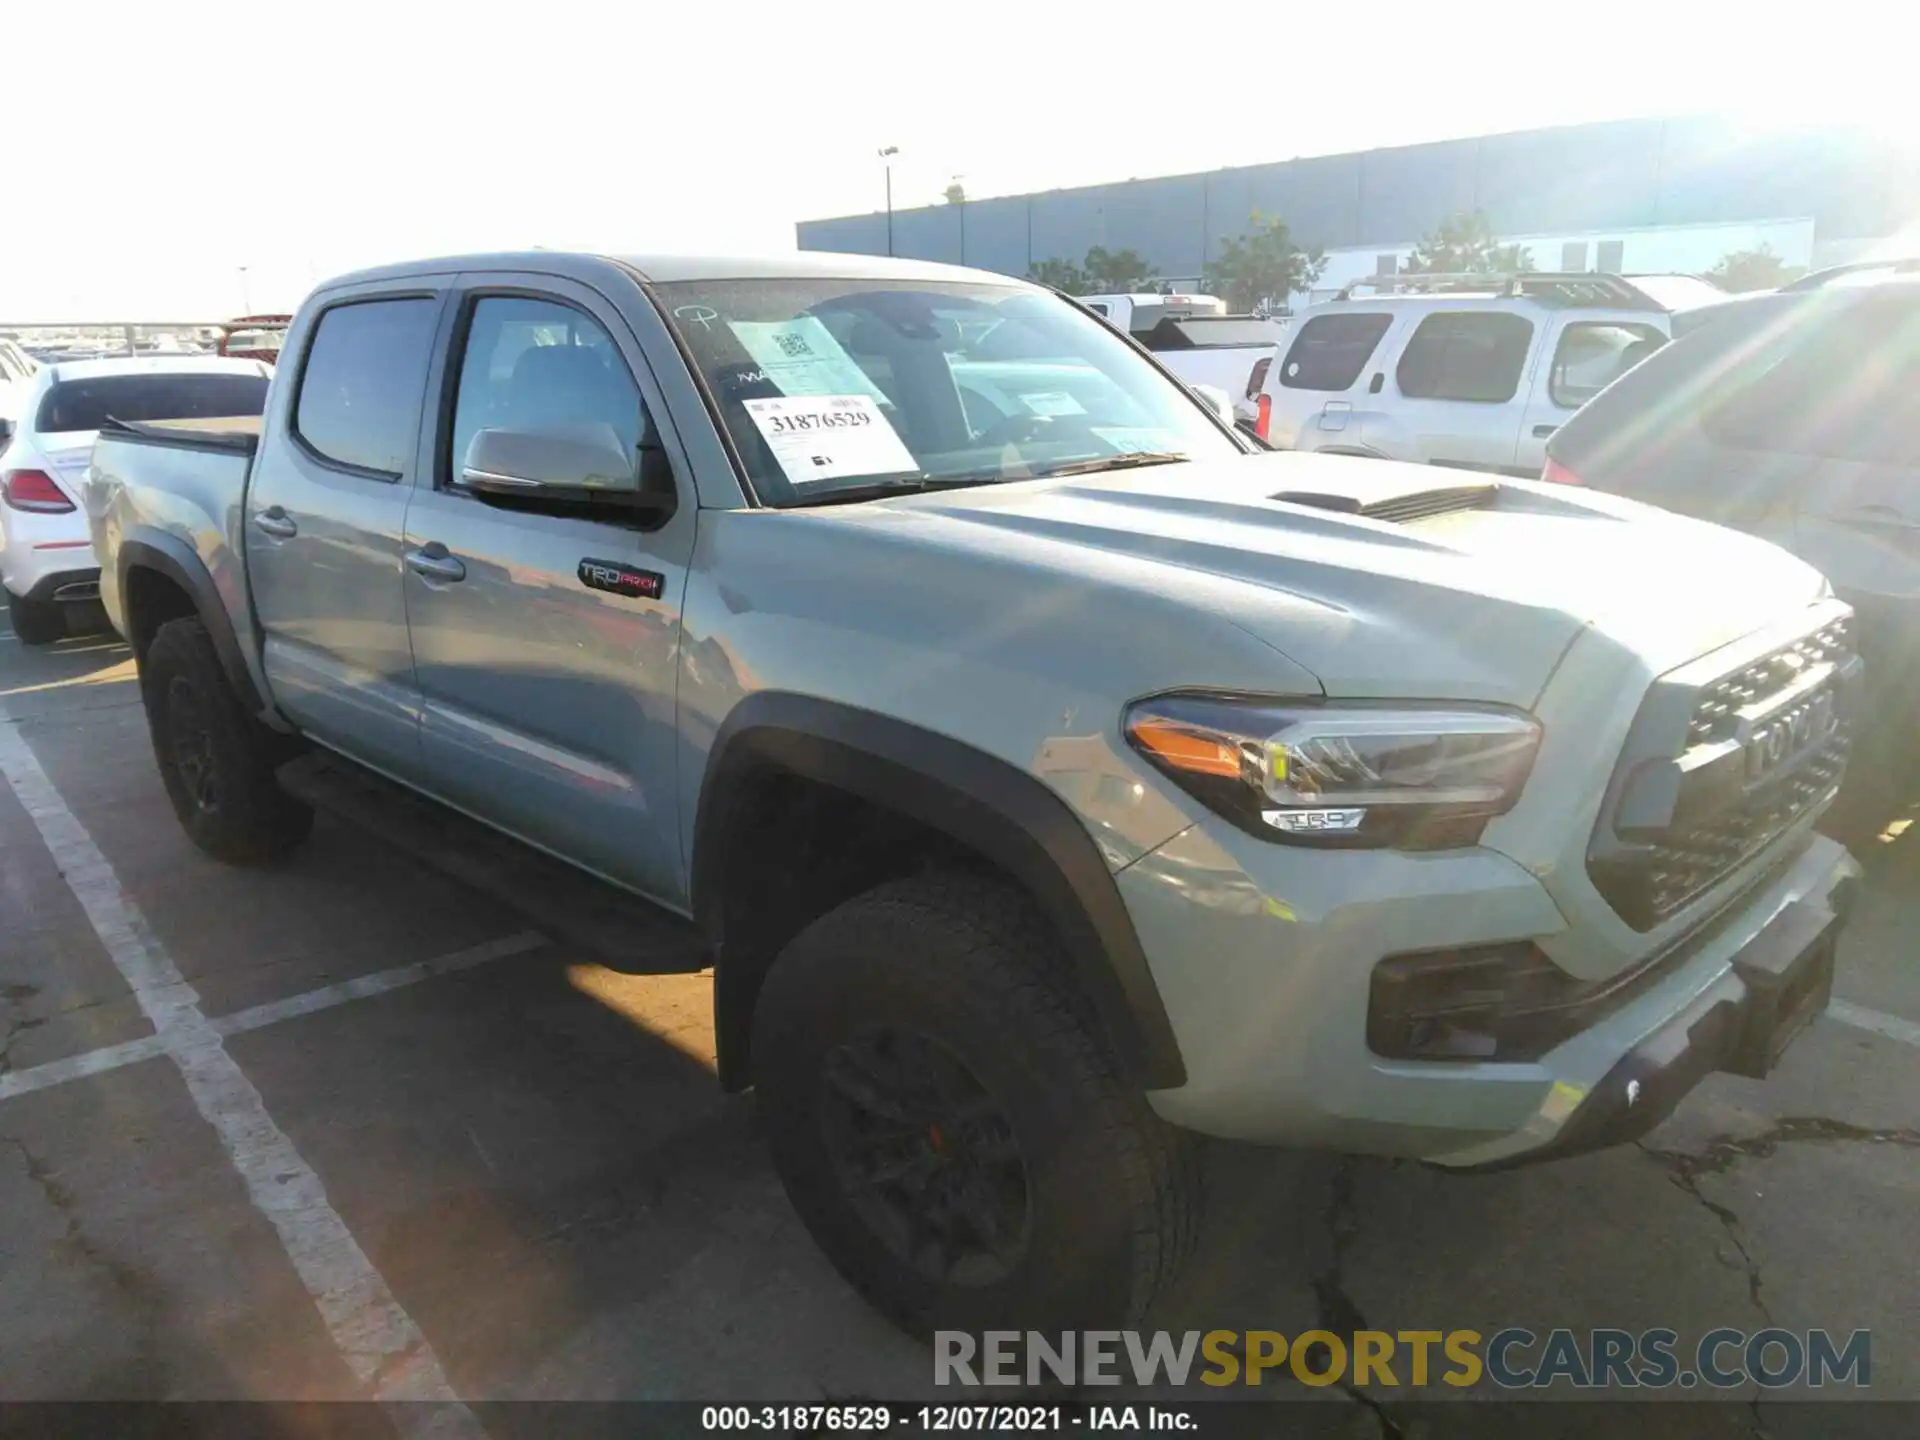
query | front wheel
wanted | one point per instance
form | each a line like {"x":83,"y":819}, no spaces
{"x":36,"y":622}
{"x":948,"y":1121}
{"x":215,"y":759}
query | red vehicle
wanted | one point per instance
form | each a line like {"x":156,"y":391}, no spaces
{"x":255,"y":337}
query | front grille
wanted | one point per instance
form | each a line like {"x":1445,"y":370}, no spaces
{"x":1718,"y":766}
{"x":1690,"y":861}
{"x":1716,"y":713}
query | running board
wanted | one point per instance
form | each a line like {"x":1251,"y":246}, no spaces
{"x":619,"y":930}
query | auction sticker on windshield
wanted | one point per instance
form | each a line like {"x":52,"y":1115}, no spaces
{"x":830,"y":437}
{"x":801,"y":357}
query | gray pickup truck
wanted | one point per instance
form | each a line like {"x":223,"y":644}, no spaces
{"x":1046,"y":776}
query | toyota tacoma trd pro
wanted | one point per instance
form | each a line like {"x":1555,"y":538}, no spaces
{"x":1047,"y":777}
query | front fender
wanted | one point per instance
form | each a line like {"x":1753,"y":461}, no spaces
{"x":981,"y":801}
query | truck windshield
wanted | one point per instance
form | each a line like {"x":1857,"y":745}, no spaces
{"x":86,"y":402}
{"x":831,"y":385}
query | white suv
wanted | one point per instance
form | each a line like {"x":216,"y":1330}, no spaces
{"x":46,"y":555}
{"x":1472,"y":371}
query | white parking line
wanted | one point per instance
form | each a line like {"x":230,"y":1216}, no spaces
{"x":375,"y":1336}
{"x":1861,"y":1018}
{"x":132,"y":1052}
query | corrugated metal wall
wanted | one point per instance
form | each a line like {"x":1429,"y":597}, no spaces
{"x":1588,"y":177}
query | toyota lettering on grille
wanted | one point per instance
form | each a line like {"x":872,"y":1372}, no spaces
{"x":1780,"y":737}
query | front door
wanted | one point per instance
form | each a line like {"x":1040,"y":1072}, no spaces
{"x":546,"y":647}
{"x":325,"y":513}
{"x":1460,"y":396}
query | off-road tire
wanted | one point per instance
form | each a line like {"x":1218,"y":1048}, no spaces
{"x":36,"y":622}
{"x":216,"y":760}
{"x":1114,"y":1194}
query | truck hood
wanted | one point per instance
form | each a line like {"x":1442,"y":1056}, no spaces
{"x":1385,"y":579}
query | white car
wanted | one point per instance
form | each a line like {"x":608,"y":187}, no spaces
{"x":46,"y":557}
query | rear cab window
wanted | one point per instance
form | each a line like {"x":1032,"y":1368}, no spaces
{"x":360,"y":388}
{"x":1331,"y":350}
{"x":1471,"y":356}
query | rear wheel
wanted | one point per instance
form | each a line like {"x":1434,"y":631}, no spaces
{"x":948,"y":1122}
{"x":36,"y":622}
{"x":215,"y":759}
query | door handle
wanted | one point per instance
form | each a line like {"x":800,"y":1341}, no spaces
{"x":1541,"y":432}
{"x":433,"y":562}
{"x":276,"y":522}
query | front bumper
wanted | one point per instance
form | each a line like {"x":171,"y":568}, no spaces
{"x":1263,"y":955}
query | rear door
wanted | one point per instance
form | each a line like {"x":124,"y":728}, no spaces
{"x":1457,"y":394}
{"x":1584,"y":353}
{"x":547,"y":686}
{"x":326,"y":513}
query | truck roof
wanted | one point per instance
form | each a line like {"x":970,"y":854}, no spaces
{"x":796,"y":264}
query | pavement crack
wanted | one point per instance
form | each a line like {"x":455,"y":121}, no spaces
{"x":140,"y":1293}
{"x":1723,"y":1152}
{"x":1338,"y":1314}
{"x":1685,"y":1172}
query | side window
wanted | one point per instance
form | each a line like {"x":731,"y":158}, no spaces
{"x":542,"y":365}
{"x":1840,"y":388}
{"x":359,"y":400}
{"x":1467,"y":355}
{"x":1331,"y":350}
{"x":1098,"y":308}
{"x":1592,"y":355}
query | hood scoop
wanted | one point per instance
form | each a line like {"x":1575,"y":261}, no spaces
{"x":1397,"y":507}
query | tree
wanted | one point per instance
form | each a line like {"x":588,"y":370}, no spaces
{"x":1060,"y":274}
{"x":1464,"y":244}
{"x":1755,"y":269}
{"x":956,"y":193}
{"x":1117,"y":272}
{"x":1262,"y":266}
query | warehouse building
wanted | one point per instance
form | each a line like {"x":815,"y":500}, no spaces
{"x":1639,"y":196}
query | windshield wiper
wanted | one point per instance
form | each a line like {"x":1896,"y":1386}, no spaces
{"x":875,"y":489}
{"x":1130,"y":460}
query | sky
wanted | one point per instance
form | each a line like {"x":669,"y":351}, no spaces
{"x":158,"y":149}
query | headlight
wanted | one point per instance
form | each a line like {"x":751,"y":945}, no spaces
{"x":1354,"y":774}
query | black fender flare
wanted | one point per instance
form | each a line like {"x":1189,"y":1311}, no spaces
{"x":981,"y":801}
{"x":174,"y":558}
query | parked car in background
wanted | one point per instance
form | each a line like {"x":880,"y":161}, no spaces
{"x":17,"y":367}
{"x":1046,"y":775}
{"x":1195,"y":338}
{"x":1471,"y":371}
{"x":1793,"y":416}
{"x":254,"y":337}
{"x":46,"y":557}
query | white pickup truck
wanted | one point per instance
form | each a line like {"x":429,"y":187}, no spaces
{"x":1195,"y":338}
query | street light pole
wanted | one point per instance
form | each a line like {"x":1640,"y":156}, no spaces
{"x":246,"y":296}
{"x":886,"y":156}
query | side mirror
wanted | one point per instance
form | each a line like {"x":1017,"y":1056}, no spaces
{"x":1216,"y":400}
{"x":570,"y":470}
